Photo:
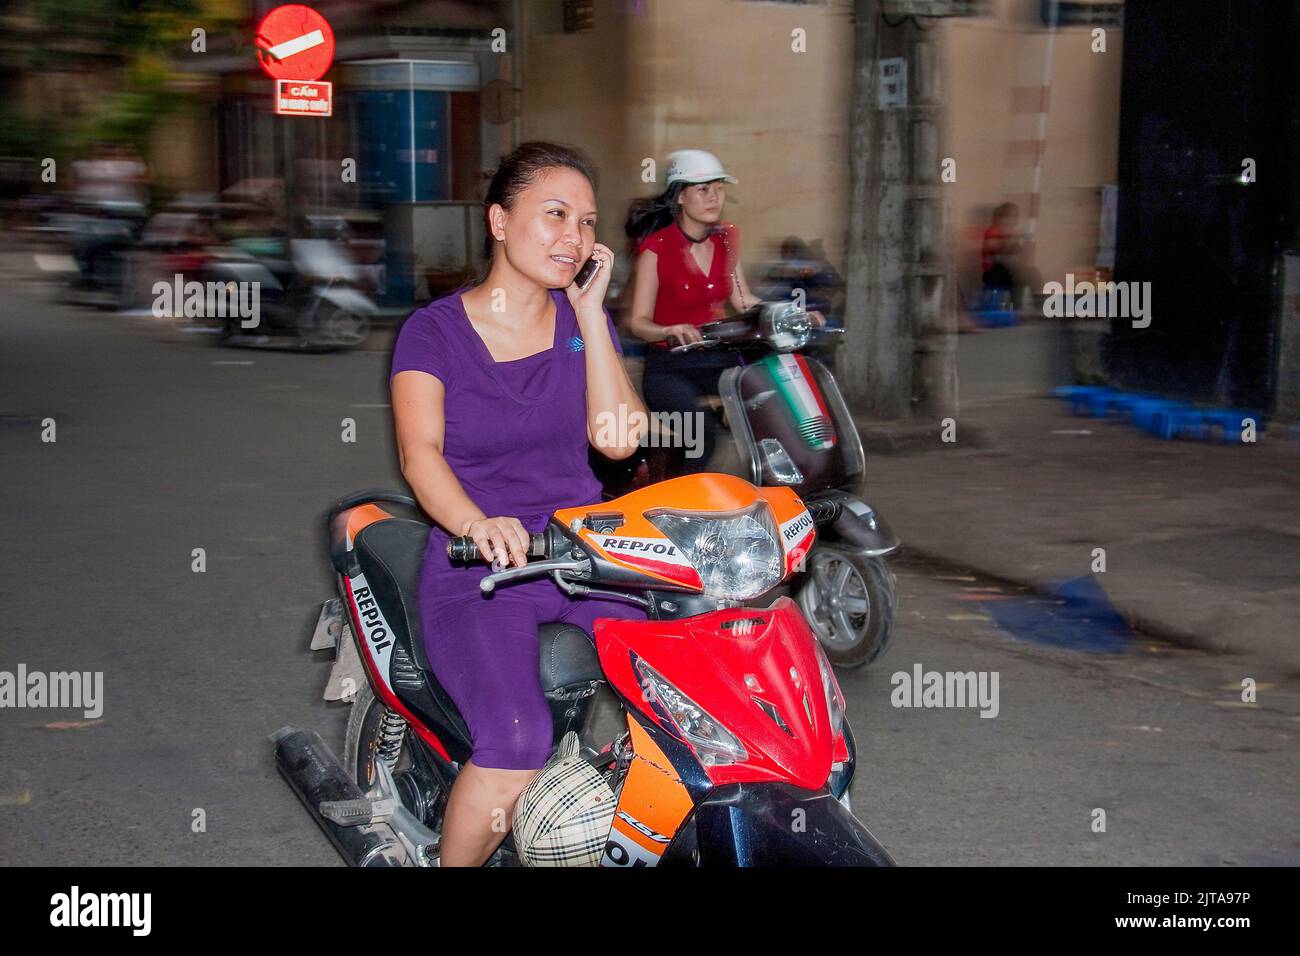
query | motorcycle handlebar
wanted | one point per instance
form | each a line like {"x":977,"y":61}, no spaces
{"x":463,"y":548}
{"x":824,"y":511}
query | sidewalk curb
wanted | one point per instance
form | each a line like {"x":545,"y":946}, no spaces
{"x":909,"y":436}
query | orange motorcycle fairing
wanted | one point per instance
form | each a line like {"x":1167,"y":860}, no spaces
{"x":652,"y":805}
{"x":638,"y":546}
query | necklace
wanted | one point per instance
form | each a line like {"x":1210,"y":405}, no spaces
{"x":692,"y":238}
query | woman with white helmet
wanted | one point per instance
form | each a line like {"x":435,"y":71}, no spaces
{"x":687,"y":265}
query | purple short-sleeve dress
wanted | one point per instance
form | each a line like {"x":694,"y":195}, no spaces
{"x":516,"y":438}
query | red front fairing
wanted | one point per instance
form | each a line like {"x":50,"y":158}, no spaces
{"x":709,"y":663}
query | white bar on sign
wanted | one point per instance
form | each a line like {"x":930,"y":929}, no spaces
{"x":289,"y":47}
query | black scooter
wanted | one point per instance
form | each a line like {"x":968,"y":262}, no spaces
{"x":308,"y":295}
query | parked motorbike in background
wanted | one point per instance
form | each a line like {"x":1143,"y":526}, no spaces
{"x":310,"y":292}
{"x":94,"y":243}
{"x":732,"y":745}
{"x":791,"y":427}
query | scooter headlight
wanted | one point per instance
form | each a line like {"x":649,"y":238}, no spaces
{"x":711,"y":741}
{"x":736,"y":553}
{"x":785,"y":325}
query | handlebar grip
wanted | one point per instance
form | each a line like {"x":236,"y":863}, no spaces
{"x":464,"y":549}
{"x":824,"y":511}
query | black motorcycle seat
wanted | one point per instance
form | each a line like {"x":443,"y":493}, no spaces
{"x":390,"y":553}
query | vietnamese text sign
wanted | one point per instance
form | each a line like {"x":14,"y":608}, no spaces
{"x":304,"y":98}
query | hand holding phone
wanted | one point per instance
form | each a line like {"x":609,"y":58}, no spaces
{"x":587,"y":274}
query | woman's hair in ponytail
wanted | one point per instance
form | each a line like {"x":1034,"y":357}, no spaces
{"x":520,"y":169}
{"x":646,"y":216}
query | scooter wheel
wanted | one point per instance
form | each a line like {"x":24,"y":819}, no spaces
{"x":225,"y":333}
{"x":339,"y":328}
{"x":849,"y":601}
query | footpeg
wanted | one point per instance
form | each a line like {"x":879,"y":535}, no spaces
{"x":355,"y":813}
{"x":329,"y":626}
{"x":348,"y":675}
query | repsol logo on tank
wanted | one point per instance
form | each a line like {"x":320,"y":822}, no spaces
{"x":646,"y":547}
{"x":797,"y":527}
{"x":372,"y":622}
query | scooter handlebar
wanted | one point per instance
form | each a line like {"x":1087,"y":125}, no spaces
{"x":824,"y":511}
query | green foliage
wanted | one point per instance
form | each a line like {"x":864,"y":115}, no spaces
{"x":120,"y":47}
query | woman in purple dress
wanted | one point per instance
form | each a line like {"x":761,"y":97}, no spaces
{"x":497,"y":392}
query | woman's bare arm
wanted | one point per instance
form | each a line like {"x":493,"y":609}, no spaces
{"x":420,"y":420}
{"x":421,"y":427}
{"x":640,"y":319}
{"x":616,"y":416}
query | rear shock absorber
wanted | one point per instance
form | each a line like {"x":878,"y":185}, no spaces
{"x":392,"y":731}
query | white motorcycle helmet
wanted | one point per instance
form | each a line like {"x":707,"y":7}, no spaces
{"x":695,"y":166}
{"x":564,"y":816}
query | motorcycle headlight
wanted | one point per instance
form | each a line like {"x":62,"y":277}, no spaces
{"x":712,"y":742}
{"x":737,"y":553}
{"x":786,"y":326}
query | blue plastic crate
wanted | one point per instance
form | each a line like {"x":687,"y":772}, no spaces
{"x":1229,"y":421}
{"x":1161,"y":417}
{"x":1099,"y":403}
{"x":1078,"y":395}
{"x":994,"y":309}
{"x":1122,"y":404}
{"x":998,"y":319}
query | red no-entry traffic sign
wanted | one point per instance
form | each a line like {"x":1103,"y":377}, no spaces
{"x":294,"y":42}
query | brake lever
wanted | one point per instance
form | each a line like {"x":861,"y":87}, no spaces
{"x":575,"y":590}
{"x":546,"y":566}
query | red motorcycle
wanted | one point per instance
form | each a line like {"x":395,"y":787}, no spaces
{"x":733,"y":746}
{"x":792,"y":427}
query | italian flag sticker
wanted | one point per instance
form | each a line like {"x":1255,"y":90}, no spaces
{"x":796,"y":385}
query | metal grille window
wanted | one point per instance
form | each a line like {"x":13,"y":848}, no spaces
{"x":933,"y":8}
{"x":579,"y":15}
{"x":1070,"y":13}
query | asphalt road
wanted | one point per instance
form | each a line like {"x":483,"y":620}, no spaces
{"x":166,"y":443}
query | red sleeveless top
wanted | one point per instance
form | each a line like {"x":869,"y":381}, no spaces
{"x":686,"y":294}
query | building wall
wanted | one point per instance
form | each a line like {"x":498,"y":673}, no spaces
{"x":574,"y":93}
{"x":711,"y":74}
{"x":1000,"y":124}
{"x":181,"y":155}
{"x":721,"y":75}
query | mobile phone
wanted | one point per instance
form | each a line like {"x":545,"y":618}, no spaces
{"x":587,"y":273}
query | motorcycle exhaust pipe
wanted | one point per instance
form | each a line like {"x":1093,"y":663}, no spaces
{"x":315,"y":774}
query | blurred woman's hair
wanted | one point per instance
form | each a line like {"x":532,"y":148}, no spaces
{"x":646,"y":216}
{"x":526,"y":164}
